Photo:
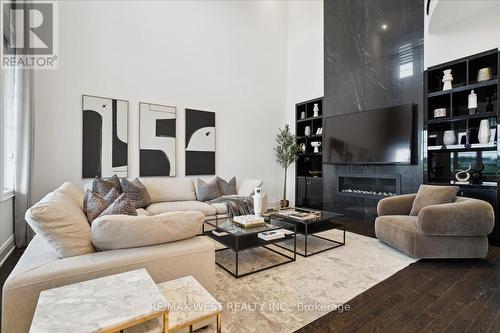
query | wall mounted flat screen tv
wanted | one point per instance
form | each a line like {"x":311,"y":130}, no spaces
{"x":382,"y":136}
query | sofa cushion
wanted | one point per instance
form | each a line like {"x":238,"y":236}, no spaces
{"x":428,"y":195}
{"x":207,"y":191}
{"x":104,"y":185}
{"x":171,"y":189}
{"x":136,"y":191}
{"x":74,"y":192}
{"x":142,"y":212}
{"x":227,"y":188}
{"x":181,"y":206}
{"x":220,"y":207}
{"x":62,"y":223}
{"x":121,"y":232}
{"x":121,"y":206}
{"x":248,"y":186}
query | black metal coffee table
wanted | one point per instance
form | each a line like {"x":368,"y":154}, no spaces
{"x":309,"y":228}
{"x":240,"y":239}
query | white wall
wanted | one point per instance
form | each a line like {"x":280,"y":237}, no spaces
{"x":304,"y":61}
{"x":459,"y":28}
{"x":222,"y":56}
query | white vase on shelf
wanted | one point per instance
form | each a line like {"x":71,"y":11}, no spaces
{"x":307,"y":131}
{"x":484,"y":134}
{"x":447,"y":78}
{"x":449,"y":137}
{"x":472,"y":105}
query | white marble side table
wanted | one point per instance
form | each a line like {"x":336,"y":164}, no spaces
{"x":107,"y":304}
{"x":188,"y":304}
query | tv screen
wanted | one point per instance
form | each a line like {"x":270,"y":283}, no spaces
{"x":382,"y":136}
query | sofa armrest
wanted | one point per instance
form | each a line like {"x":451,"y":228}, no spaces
{"x":470,"y":217}
{"x":398,"y":205}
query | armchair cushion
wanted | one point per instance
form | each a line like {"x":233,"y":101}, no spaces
{"x":464,"y":217}
{"x":433,"y":195}
{"x":398,"y":205}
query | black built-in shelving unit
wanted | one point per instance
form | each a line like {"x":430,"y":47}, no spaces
{"x":309,"y":187}
{"x":441,"y":162}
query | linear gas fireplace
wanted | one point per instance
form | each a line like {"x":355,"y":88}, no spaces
{"x":369,"y":186}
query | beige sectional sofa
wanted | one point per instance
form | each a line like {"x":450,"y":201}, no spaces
{"x":41,"y":267}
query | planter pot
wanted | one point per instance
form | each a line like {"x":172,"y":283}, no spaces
{"x":484,"y":134}
{"x":449,"y":137}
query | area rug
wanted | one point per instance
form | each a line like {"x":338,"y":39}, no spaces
{"x":288,"y":297}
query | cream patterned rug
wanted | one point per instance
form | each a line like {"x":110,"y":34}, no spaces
{"x":288,"y":297}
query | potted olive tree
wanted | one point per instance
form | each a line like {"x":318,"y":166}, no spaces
{"x":287,"y":151}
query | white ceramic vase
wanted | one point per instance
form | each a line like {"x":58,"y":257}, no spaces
{"x":315,"y":110}
{"x":449,"y":137}
{"x":307,"y":131}
{"x":484,"y":134}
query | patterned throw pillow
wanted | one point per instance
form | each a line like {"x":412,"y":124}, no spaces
{"x":227,"y":188}
{"x":121,"y":206}
{"x":208,"y":191}
{"x":94,"y":203}
{"x":103,"y":186}
{"x":136,"y":191}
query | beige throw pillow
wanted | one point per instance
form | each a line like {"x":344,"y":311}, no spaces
{"x":61,"y":222}
{"x":120,"y":232}
{"x":428,"y":195}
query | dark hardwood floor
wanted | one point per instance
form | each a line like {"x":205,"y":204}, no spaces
{"x":427,"y":296}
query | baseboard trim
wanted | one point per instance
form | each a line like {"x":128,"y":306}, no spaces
{"x":6,"y":249}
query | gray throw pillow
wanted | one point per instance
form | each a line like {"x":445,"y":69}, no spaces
{"x":121,"y":206}
{"x":208,"y":191}
{"x":94,"y":203}
{"x":136,"y":191}
{"x":227,"y":188}
{"x":103,"y":185}
{"x":429,"y":195}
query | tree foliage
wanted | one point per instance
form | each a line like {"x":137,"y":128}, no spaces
{"x":287,"y":149}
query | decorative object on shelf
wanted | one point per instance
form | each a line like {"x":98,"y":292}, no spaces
{"x":287,"y":150}
{"x":315,"y":173}
{"x":493,"y":135}
{"x":316,"y":145}
{"x":156,"y":140}
{"x":476,"y":174}
{"x":303,"y":115}
{"x":303,"y":147}
{"x":447,"y":78}
{"x":441,"y":112}
{"x":484,"y":134}
{"x":307,"y":131}
{"x":319,"y":131}
{"x":315,"y":110}
{"x":472,"y":102}
{"x":462,"y":138}
{"x":449,"y":137}
{"x":472,"y":136}
{"x":484,"y":74}
{"x":105,"y":137}
{"x":258,"y":202}
{"x":463,"y":176}
{"x":200,"y":142}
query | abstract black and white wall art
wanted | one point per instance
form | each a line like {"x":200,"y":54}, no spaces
{"x":200,"y":142}
{"x":105,"y":137}
{"x":156,"y":140}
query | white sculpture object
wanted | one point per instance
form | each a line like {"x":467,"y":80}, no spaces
{"x":316,"y":145}
{"x":259,"y":202}
{"x":315,"y":110}
{"x":447,"y":78}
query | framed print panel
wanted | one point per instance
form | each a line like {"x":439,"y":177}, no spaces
{"x":157,"y":133}
{"x":200,"y":142}
{"x":105,"y":137}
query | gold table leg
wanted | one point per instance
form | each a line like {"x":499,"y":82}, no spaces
{"x":190,"y":328}
{"x":219,"y":324}
{"x":165,"y":323}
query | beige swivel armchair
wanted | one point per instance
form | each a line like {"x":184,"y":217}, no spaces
{"x":452,"y":230}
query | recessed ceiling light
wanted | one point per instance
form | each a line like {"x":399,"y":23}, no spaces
{"x":384,"y":26}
